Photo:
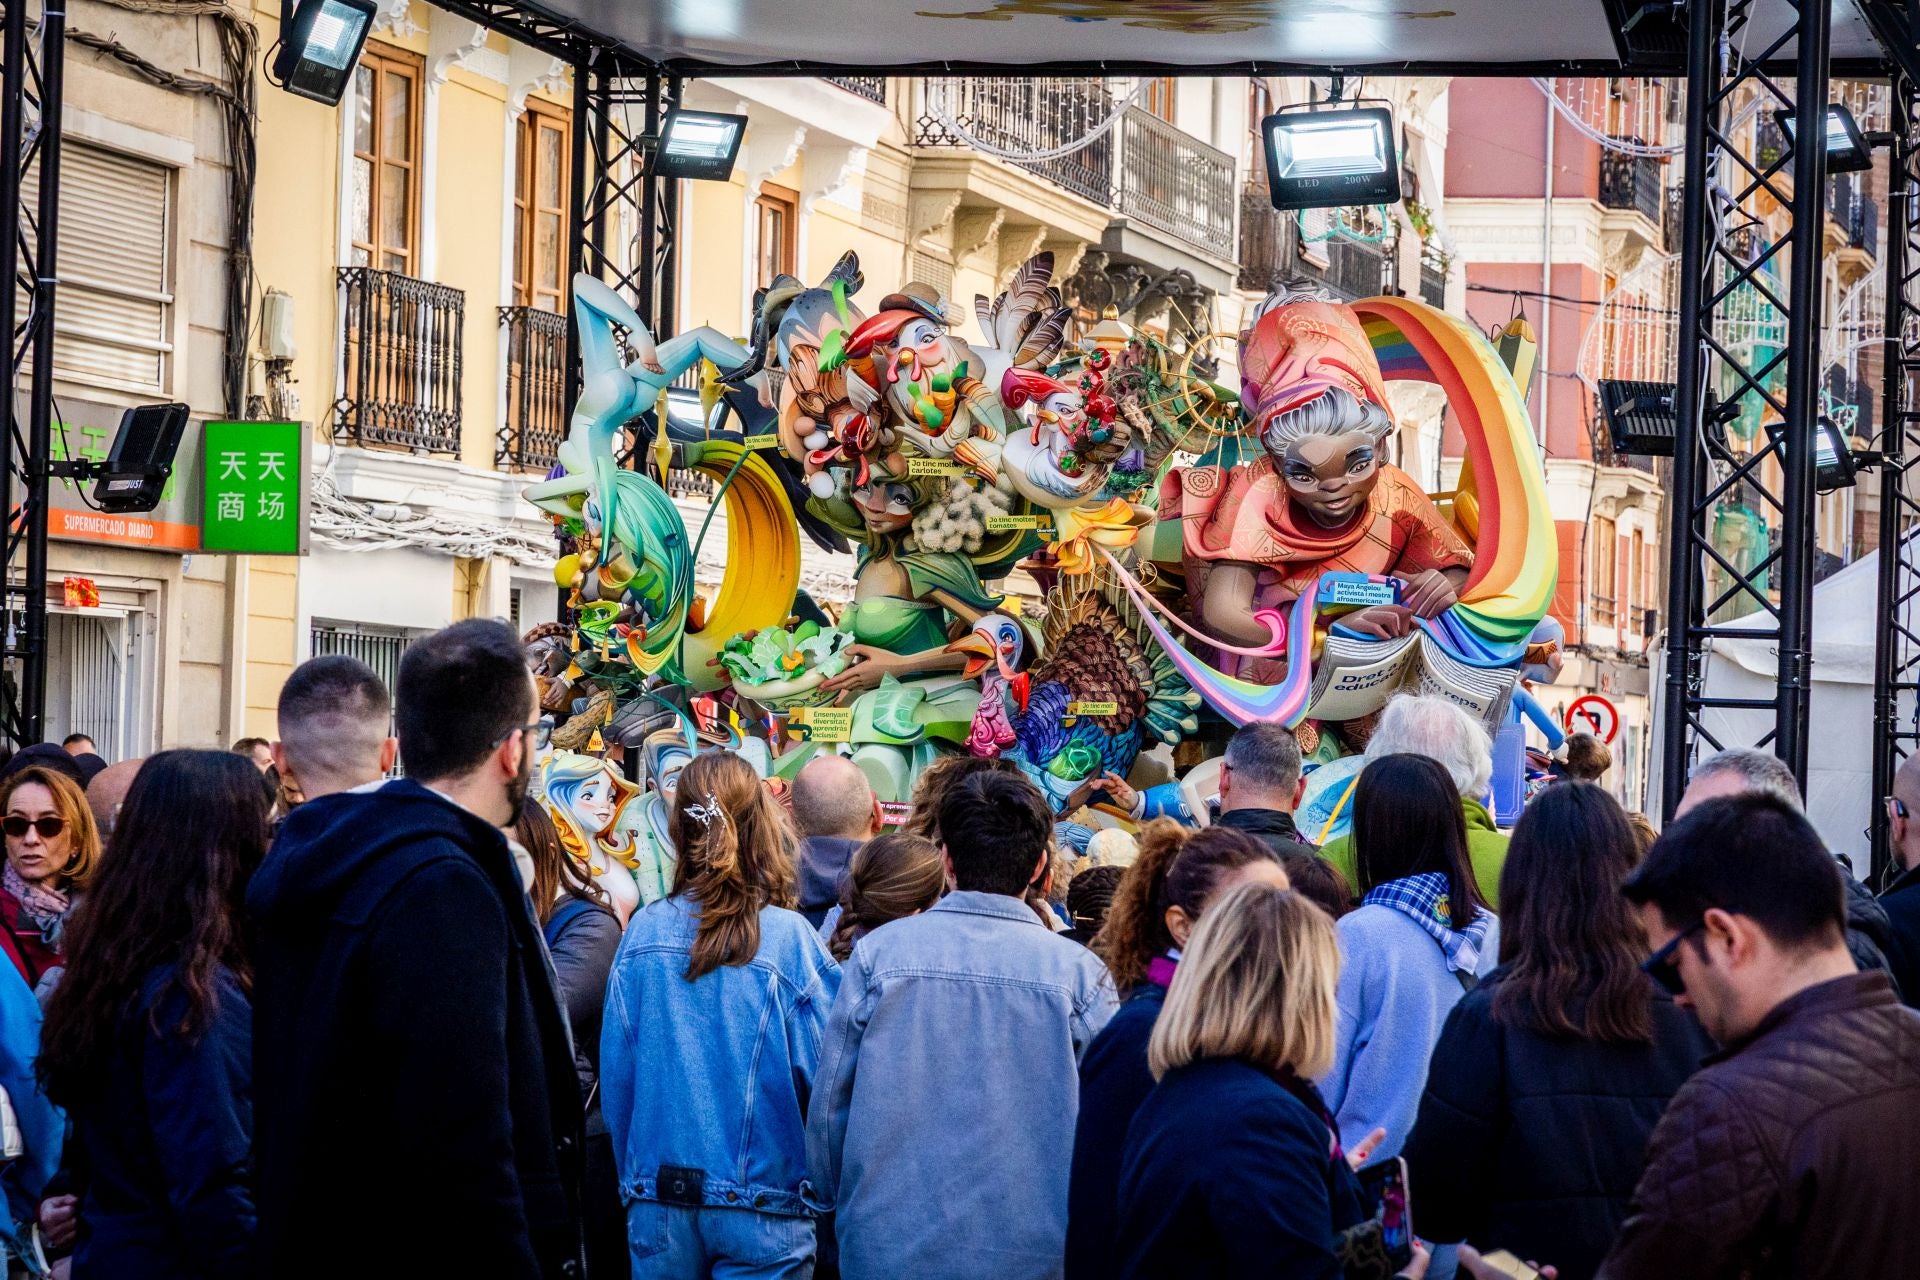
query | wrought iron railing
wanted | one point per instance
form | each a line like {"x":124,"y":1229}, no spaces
{"x":536,"y":374}
{"x":1633,"y":183}
{"x":1266,"y":240}
{"x":1851,"y":207}
{"x":1433,"y":283}
{"x":1174,"y":182}
{"x":872,"y":88}
{"x":1353,"y":268}
{"x":1023,"y":117}
{"x":401,"y":343}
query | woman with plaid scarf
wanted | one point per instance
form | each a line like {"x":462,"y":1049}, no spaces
{"x":1420,"y":939}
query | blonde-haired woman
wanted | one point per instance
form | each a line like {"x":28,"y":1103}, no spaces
{"x":1233,"y":1167}
{"x":710,"y":1039}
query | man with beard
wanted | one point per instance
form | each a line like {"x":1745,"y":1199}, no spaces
{"x":1319,"y":498}
{"x":413,"y":1076}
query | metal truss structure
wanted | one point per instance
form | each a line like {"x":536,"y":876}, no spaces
{"x":32,"y":62}
{"x":624,"y":219}
{"x":1717,"y":372}
{"x":1896,"y":672}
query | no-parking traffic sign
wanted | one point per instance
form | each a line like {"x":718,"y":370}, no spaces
{"x":1593,"y":714}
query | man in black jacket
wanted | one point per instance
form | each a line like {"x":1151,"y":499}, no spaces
{"x":416,"y":1111}
{"x":1260,"y":786}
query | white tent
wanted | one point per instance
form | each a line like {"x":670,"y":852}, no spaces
{"x":1840,"y":755}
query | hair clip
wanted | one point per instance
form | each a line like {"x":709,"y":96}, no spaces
{"x":704,"y":814}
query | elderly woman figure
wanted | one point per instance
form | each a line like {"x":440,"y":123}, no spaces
{"x":1439,"y":730}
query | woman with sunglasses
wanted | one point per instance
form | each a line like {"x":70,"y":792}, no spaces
{"x":52,"y":848}
{"x":1566,"y":1050}
{"x":148,"y":1042}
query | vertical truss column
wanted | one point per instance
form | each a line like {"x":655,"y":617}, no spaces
{"x":626,"y":218}
{"x":1727,"y":279}
{"x":32,"y":62}
{"x":1896,"y":671}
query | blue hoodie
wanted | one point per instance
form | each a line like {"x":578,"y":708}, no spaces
{"x":407,"y":1035}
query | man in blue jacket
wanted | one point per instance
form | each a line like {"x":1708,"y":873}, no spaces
{"x":941,"y":1126}
{"x":415,"y":1103}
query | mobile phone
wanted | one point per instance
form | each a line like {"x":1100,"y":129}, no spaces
{"x":1384,"y":1187}
{"x":1507,"y":1265}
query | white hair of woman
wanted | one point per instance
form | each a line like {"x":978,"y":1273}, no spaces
{"x":1431,"y":726}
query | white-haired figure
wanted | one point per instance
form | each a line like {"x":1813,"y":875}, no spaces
{"x":1436,"y":728}
{"x":1321,"y":497}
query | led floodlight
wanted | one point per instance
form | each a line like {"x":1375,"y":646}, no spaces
{"x":1847,"y":149}
{"x":1331,"y":159}
{"x":320,"y":45}
{"x":134,"y":475}
{"x":1640,"y":416}
{"x":698,"y":144}
{"x":1834,"y":463}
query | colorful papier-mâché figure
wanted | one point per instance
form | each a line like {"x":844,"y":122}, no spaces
{"x":588,"y":801}
{"x":1319,"y":498}
{"x":634,"y":571}
{"x":930,"y":379}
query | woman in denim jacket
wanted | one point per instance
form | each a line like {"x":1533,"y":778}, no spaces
{"x":710,"y":1040}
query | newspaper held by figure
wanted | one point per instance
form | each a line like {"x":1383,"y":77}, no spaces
{"x":1354,"y":677}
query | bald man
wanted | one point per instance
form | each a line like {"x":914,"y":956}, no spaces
{"x":1902,"y":898}
{"x":836,"y":811}
{"x":107,"y":791}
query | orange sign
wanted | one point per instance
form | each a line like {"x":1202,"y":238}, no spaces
{"x":125,"y":530}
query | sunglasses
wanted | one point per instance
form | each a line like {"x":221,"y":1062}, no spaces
{"x":1660,"y":965}
{"x":48,"y":827}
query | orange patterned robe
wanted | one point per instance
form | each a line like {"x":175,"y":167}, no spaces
{"x":1245,"y":514}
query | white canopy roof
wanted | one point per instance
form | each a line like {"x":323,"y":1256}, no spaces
{"x":1133,"y":35}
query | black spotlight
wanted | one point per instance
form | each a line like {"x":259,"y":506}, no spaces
{"x":320,"y":43}
{"x":1640,"y":416}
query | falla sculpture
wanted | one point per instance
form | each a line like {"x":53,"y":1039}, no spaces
{"x":1215,"y":537}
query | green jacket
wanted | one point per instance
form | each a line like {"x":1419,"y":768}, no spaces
{"x":1486,"y":846}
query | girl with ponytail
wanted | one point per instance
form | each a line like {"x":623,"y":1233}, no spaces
{"x":891,"y":877}
{"x":1177,"y":872}
{"x":719,"y":993}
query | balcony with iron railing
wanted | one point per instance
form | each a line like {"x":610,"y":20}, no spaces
{"x":1356,"y":268}
{"x":400,"y":361}
{"x":1173,"y":182}
{"x":1852,"y":209}
{"x":1271,"y":252}
{"x":1433,"y":282}
{"x":1266,"y":241}
{"x":1634,"y":184}
{"x":1022,"y":117}
{"x":872,"y":88}
{"x":536,"y":374}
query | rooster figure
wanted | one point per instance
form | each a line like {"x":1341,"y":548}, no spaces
{"x":1094,"y":655}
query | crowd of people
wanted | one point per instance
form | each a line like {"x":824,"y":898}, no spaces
{"x":275,"y":1012}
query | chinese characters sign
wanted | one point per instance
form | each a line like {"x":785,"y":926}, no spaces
{"x":255,"y":474}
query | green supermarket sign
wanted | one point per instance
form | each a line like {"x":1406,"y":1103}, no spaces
{"x":255,"y":475}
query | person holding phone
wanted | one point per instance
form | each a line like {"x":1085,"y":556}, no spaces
{"x":1233,"y":1167}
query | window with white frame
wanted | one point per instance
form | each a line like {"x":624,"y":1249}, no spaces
{"x":113,"y":325}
